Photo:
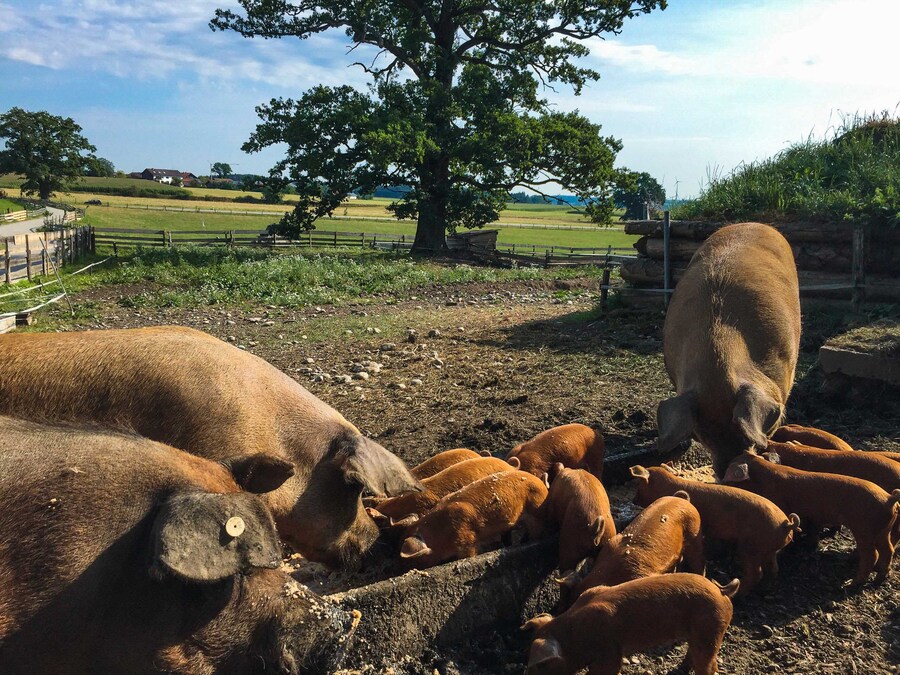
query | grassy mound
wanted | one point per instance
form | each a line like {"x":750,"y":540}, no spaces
{"x":854,"y":175}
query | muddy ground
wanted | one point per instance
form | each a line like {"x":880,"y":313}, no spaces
{"x":488,"y":367}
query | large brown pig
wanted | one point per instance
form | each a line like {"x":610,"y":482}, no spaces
{"x":817,"y":438}
{"x":882,"y":471}
{"x":123,"y":555}
{"x":730,"y":341}
{"x":187,"y":389}
{"x":576,"y":446}
{"x":608,"y":623}
{"x":579,"y":505}
{"x":439,"y":486}
{"x":825,"y":499}
{"x":474,"y":516}
{"x":655,"y":542}
{"x":756,"y":527}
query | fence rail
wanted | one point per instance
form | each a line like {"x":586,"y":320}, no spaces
{"x":24,"y":256}
{"x":522,"y":253}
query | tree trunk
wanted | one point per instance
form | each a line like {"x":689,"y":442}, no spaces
{"x":44,"y":190}
{"x":431,"y":228}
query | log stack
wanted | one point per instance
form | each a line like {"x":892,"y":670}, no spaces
{"x":824,"y":253}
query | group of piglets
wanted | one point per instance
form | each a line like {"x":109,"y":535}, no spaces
{"x":805,"y":475}
{"x":470,"y":501}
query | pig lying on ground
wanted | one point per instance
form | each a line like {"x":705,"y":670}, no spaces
{"x":610,"y":622}
{"x":654,"y":542}
{"x":122,"y":555}
{"x":755,"y":526}
{"x":476,"y":516}
{"x":816,"y":438}
{"x":575,"y":446}
{"x":579,"y":505}
{"x":442,"y":460}
{"x":730,"y":341}
{"x":824,"y":499}
{"x":436,"y":488}
{"x":187,"y":389}
{"x":882,"y":471}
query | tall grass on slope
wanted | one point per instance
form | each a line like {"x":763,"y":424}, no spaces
{"x":852,"y":175}
{"x":218,"y":276}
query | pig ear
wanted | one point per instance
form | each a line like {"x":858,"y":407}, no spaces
{"x":675,"y":419}
{"x":485,"y":453}
{"x":737,"y":472}
{"x":536,"y":622}
{"x":413,"y":547}
{"x":668,"y":466}
{"x":756,"y":414}
{"x":374,"y":469}
{"x":639,"y":472}
{"x":682,"y":494}
{"x":408,"y":521}
{"x":259,"y":472}
{"x":204,"y":537}
{"x":514,"y":462}
{"x":380,"y":519}
{"x":598,"y":527}
{"x":545,"y":653}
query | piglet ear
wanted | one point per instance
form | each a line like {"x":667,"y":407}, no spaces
{"x":414,"y":547}
{"x":639,"y":472}
{"x":377,"y":471}
{"x":204,"y":537}
{"x":737,"y":472}
{"x":260,"y":472}
{"x":668,"y":466}
{"x":514,"y":462}
{"x":536,"y":622}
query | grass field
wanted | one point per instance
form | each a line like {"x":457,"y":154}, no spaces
{"x":163,"y":220}
{"x":8,"y":206}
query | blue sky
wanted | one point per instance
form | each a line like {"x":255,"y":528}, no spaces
{"x":698,"y":88}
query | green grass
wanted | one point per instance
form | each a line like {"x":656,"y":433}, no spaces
{"x":8,"y":206}
{"x":167,"y":220}
{"x":190,"y":276}
{"x":853,"y":175}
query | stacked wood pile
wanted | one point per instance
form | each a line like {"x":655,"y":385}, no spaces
{"x":824,"y":254}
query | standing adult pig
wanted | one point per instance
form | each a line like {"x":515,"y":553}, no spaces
{"x":190,"y":390}
{"x":123,"y":555}
{"x":731,"y":338}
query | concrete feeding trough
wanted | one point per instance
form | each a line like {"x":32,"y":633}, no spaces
{"x":867,"y":354}
{"x":442,"y":608}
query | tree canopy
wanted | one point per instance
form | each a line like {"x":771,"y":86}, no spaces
{"x":634,"y":190}
{"x":99,"y":166}
{"x":221,"y":169}
{"x":454,"y":109}
{"x":49,"y":151}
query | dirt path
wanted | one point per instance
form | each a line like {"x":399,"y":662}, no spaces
{"x":507,"y":362}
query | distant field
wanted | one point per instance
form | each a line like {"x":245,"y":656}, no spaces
{"x":161,"y":220}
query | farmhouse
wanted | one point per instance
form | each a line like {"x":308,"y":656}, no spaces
{"x":164,"y":175}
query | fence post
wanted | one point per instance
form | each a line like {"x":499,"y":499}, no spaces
{"x":335,"y":239}
{"x":6,"y":262}
{"x":93,"y":240}
{"x":169,"y":235}
{"x":859,"y":271}
{"x":115,"y":250}
{"x":164,"y":238}
{"x":547,"y":258}
{"x":28,"y":256}
{"x":44,"y":256}
{"x":666,"y":271}
{"x":604,"y":288}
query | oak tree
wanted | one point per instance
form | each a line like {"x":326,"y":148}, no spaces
{"x":47,"y":150}
{"x":455,"y":109}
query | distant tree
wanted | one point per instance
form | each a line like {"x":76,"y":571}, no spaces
{"x":454,"y":110}
{"x":221,"y":169}
{"x":49,"y":151}
{"x":99,"y":167}
{"x":634,"y":189}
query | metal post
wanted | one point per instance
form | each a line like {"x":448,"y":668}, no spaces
{"x":859,"y":272}
{"x":28,"y":256}
{"x":666,"y":277}
{"x":6,"y":245}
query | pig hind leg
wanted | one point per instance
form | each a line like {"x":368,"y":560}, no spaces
{"x":692,"y":555}
{"x":868,"y":556}
{"x":607,"y":662}
{"x":751,"y":571}
{"x":703,"y":652}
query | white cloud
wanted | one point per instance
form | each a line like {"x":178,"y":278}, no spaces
{"x":644,"y":58}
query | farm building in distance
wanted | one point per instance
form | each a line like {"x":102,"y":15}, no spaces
{"x":168,"y":176}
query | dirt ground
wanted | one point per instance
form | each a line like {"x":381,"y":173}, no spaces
{"x":488,"y":367}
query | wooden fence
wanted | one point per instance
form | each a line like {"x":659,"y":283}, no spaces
{"x":123,"y":238}
{"x":27,"y":255}
{"x":18,"y":216}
